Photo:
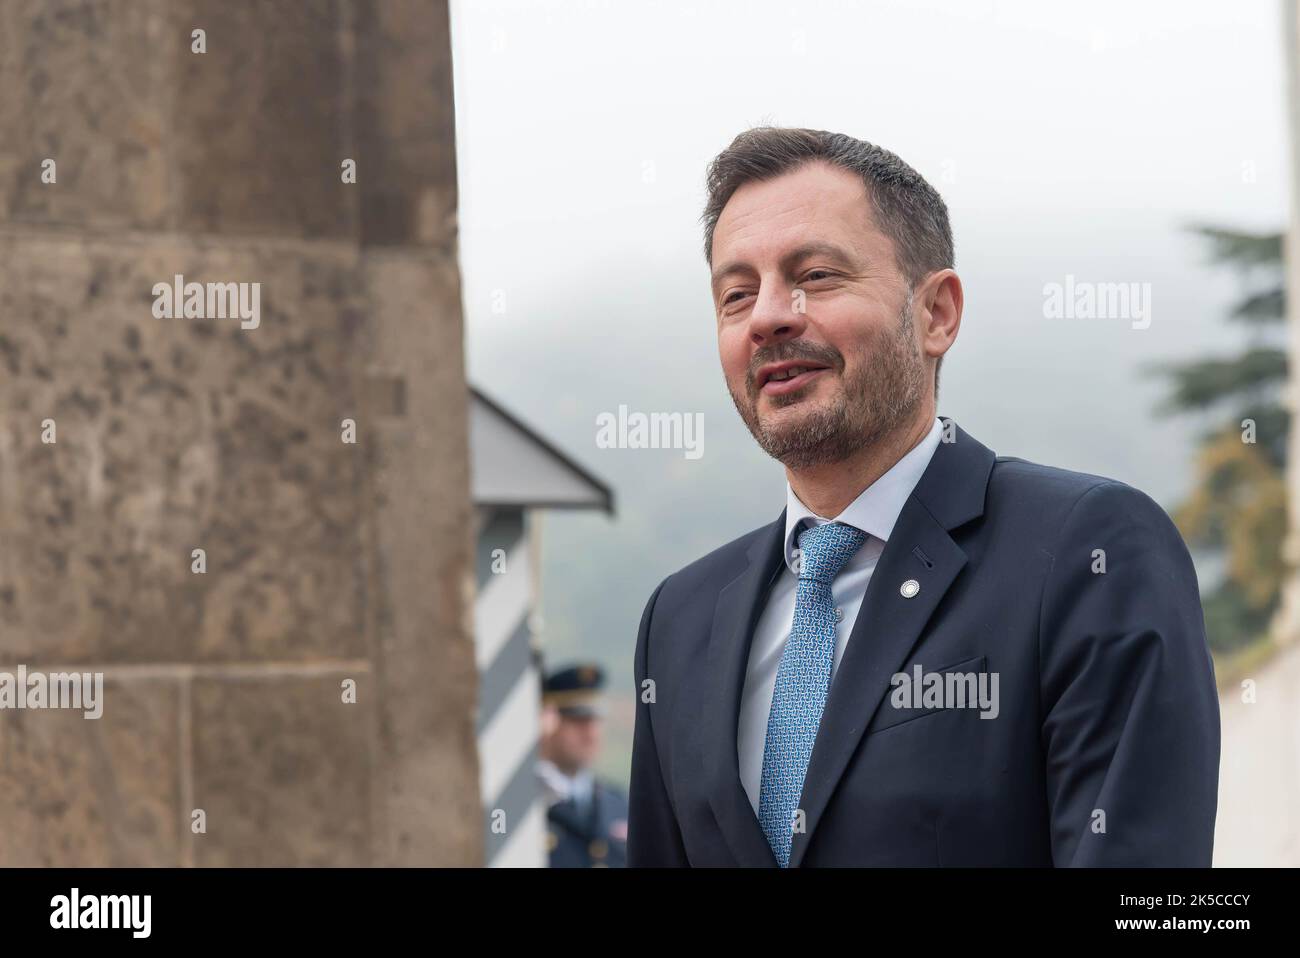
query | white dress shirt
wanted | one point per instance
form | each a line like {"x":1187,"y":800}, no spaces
{"x":560,"y":787}
{"x":874,"y":512}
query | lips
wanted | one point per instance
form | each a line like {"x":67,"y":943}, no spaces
{"x":775,"y":387}
{"x":779,"y":378}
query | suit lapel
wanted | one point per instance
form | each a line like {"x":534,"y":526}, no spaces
{"x":884,"y":633}
{"x":735,"y":616}
{"x":950,"y":493}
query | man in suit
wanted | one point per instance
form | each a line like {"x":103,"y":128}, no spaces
{"x":934,"y":655}
{"x":586,"y":818}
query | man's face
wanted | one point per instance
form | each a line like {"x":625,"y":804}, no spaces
{"x":803,"y":279}
{"x":575,"y":742}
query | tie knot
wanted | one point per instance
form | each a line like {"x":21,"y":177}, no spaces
{"x":825,"y":549}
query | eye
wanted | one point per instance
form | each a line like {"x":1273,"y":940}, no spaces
{"x":730,"y":297}
{"x":816,"y":274}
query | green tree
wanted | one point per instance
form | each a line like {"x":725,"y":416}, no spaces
{"x":1237,"y":508}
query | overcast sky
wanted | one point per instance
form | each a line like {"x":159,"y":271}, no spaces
{"x":1068,"y":139}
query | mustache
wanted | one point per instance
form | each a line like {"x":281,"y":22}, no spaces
{"x":792,"y":351}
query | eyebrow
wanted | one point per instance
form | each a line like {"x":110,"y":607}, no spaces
{"x":789,"y":259}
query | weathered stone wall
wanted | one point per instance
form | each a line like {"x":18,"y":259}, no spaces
{"x":326,"y":560}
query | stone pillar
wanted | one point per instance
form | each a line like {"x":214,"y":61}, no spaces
{"x":1286,"y":624}
{"x":329,"y":564}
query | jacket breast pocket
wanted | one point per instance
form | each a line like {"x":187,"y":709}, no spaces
{"x":918,"y":692}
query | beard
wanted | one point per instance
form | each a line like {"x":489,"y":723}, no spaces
{"x":880,"y":397}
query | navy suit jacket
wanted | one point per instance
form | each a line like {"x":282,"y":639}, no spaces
{"x":1105,"y":749}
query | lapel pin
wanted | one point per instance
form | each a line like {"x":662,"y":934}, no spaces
{"x":909,"y":588}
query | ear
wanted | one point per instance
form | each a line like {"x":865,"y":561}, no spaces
{"x":550,"y":720}
{"x":938,"y":307}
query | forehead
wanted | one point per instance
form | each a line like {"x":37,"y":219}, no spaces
{"x":816,"y":202}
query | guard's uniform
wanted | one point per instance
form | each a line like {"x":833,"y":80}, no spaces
{"x":594,"y":836}
{"x":586,"y":818}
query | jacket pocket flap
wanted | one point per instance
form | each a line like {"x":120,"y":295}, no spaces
{"x":917,"y":694}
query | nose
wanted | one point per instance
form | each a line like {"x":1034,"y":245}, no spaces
{"x":773,"y":317}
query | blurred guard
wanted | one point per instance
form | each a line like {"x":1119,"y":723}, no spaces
{"x":587,"y":819}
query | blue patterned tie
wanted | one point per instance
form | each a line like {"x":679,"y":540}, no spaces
{"x":802,"y":681}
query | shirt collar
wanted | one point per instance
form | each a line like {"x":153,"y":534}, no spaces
{"x":562,"y":786}
{"x":874,"y":511}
